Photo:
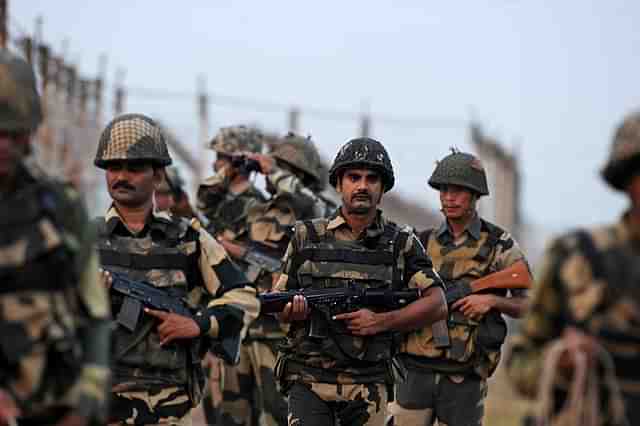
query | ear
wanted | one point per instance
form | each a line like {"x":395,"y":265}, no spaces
{"x":339,"y":184}
{"x":158,"y":177}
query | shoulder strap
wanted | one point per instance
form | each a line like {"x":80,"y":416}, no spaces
{"x":400,"y":241}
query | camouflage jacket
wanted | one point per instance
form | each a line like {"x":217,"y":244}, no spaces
{"x":271,"y":224}
{"x":311,"y":360}
{"x":178,"y":256}
{"x":483,"y":248}
{"x":227,"y":211}
{"x":55,"y":314}
{"x":588,"y":279}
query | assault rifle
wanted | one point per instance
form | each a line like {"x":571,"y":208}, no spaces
{"x":139,"y":293}
{"x":515,"y":276}
{"x":338,"y":300}
{"x":254,"y":254}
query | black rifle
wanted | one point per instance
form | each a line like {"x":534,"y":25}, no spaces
{"x":338,"y":300}
{"x":254,"y":253}
{"x":139,"y":293}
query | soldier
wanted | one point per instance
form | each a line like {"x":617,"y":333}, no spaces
{"x":443,"y":378}
{"x":171,"y":195}
{"x":342,"y":379}
{"x":226,"y":197}
{"x":292,"y":175}
{"x":157,"y":374}
{"x":54,"y":327}
{"x":587,"y":294}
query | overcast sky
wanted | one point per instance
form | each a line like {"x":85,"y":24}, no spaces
{"x":550,"y":79}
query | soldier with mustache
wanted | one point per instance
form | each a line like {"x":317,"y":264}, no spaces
{"x":342,"y":379}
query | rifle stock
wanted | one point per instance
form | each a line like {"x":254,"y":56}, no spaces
{"x":513,"y":277}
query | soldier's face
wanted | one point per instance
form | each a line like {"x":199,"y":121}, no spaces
{"x":456,"y":201}
{"x":13,"y":147}
{"x":361,"y":190}
{"x":132,"y":183}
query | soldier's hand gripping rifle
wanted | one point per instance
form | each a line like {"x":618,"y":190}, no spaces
{"x":139,"y":293}
{"x":338,"y":300}
{"x":515,"y":276}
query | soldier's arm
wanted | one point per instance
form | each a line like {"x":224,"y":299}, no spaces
{"x":545,"y":321}
{"x":235,"y":304}
{"x":90,"y":393}
{"x":431,"y":307}
{"x":303,"y":199}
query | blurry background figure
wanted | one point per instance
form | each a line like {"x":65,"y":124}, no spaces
{"x":171,"y":195}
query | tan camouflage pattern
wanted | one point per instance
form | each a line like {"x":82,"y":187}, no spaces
{"x":567,"y":293}
{"x":463,"y":169}
{"x":454,"y":260}
{"x":52,"y":318}
{"x":300,"y":153}
{"x":132,"y":137}
{"x":170,"y":406}
{"x":234,"y":139}
{"x":128,"y":379}
{"x":20,"y":109}
{"x":250,"y":391}
{"x":305,"y":362}
{"x":346,"y":404}
{"x":227,"y":211}
{"x":625,"y":149}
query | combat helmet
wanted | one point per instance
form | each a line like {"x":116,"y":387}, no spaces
{"x":300,"y":153}
{"x":463,"y":169}
{"x":230,"y":140}
{"x":624,"y":157}
{"x":132,"y":137}
{"x":365,"y":152}
{"x":20,"y":109}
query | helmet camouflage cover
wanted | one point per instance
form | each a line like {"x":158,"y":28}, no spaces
{"x":20,"y":109}
{"x":462,"y":169}
{"x":234,"y":139}
{"x":299,"y":152}
{"x":624,"y":157}
{"x":365,"y":152}
{"x":132,"y":137}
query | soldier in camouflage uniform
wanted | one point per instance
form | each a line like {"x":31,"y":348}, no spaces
{"x":157,"y":373}
{"x":226,"y":197}
{"x":587,"y":293}
{"x":448,"y":384}
{"x":292,"y":173}
{"x":342,"y":378}
{"x":54,"y":311}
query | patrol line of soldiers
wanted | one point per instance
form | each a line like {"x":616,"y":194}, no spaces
{"x":62,"y":359}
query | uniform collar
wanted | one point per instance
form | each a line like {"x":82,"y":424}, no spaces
{"x":337,"y":220}
{"x":157,"y":221}
{"x":474,"y":228}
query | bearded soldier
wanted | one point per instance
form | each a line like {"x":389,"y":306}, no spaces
{"x":341,"y":378}
{"x":447,"y":382}
{"x":54,"y":312}
{"x":157,"y":371}
{"x":587,"y":298}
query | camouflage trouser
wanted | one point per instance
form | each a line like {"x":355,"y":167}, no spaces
{"x":169,"y":406}
{"x":250,"y":395}
{"x":324,"y":404}
{"x":453,"y":400}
